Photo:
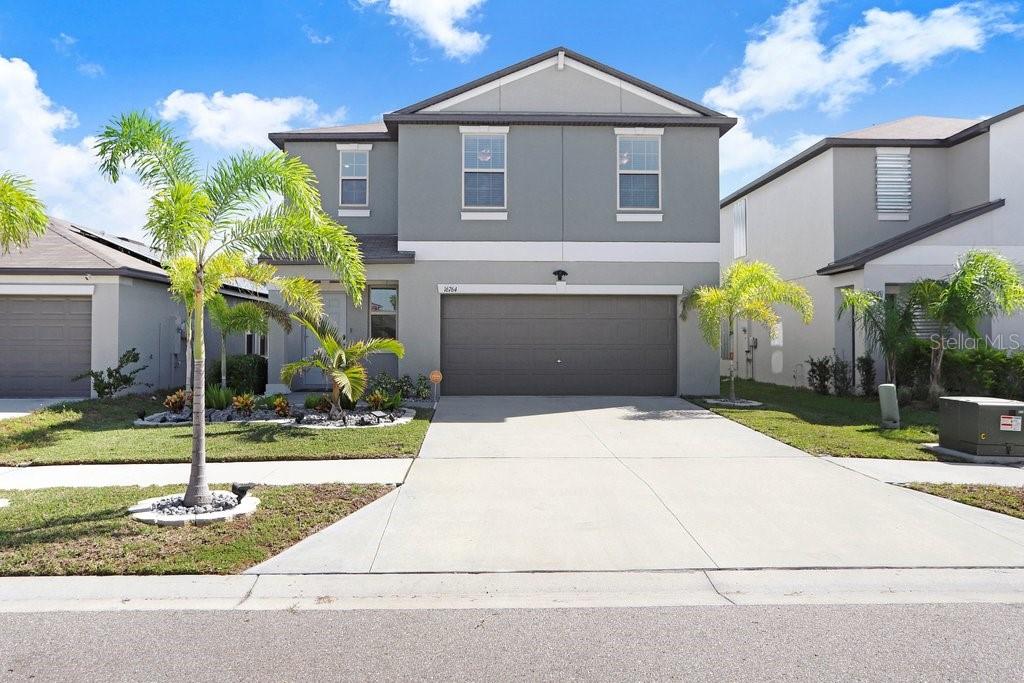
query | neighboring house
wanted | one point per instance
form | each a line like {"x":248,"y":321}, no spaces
{"x":76,"y":299}
{"x":876,"y":209}
{"x":527,"y":233}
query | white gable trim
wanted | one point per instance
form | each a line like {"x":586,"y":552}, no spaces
{"x":559,"y":61}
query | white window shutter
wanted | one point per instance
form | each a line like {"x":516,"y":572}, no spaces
{"x":893,"y":183}
{"x":739,"y":228}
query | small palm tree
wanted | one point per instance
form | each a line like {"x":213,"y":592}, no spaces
{"x":749,"y":290}
{"x":22,"y":215}
{"x":246,"y":316}
{"x":983,"y":284}
{"x":212,"y":228}
{"x":888,"y":323}
{"x":341,"y":363}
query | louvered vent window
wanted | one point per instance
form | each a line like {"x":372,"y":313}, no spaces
{"x":892,"y":183}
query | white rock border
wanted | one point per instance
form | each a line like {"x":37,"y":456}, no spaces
{"x":406,"y":417}
{"x":4,"y":502}
{"x":738,"y":403}
{"x":143,"y":512}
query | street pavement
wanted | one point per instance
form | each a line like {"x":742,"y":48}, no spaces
{"x":763,"y":643}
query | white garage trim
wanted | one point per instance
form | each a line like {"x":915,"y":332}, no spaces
{"x":561,"y":288}
{"x":620,"y":252}
{"x":47,"y":290}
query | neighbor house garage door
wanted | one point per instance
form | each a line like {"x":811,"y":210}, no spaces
{"x":558,"y":345}
{"x":44,"y":341}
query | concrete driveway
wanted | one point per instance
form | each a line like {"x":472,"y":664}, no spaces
{"x":17,"y":407}
{"x":598,"y":483}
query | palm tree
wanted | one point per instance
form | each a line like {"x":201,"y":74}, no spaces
{"x":341,"y":363}
{"x":983,"y":284}
{"x":212,"y":227}
{"x":888,"y":323}
{"x":749,"y":290}
{"x":247,"y":316}
{"x":22,"y":215}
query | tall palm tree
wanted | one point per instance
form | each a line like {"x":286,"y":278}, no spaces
{"x":983,"y":284}
{"x":246,"y":316}
{"x":212,"y":227}
{"x":341,"y":363}
{"x":22,"y":215}
{"x":749,"y":290}
{"x":888,"y":322}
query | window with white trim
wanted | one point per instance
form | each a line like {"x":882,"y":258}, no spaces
{"x":355,"y":177}
{"x":483,"y":170}
{"x":892,"y":183}
{"x":384,"y":312}
{"x":739,"y":228}
{"x":639,"y":172}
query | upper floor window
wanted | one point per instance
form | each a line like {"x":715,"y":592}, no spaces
{"x":639,"y":171}
{"x":739,"y":228}
{"x":892,"y":183}
{"x":384,"y":312}
{"x":483,"y":168}
{"x":355,"y":175}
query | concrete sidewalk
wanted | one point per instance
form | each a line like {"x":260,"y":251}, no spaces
{"x":271,"y":472}
{"x":515,"y":590}
{"x":906,"y":471}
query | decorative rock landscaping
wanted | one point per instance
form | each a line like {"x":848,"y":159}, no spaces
{"x":4,"y":502}
{"x":299,"y":417}
{"x":171,"y":511}
{"x":729,"y":403}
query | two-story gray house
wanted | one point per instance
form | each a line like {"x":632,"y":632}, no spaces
{"x":876,"y":209}
{"x":527,"y":233}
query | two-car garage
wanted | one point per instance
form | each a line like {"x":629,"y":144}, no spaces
{"x":514,"y":344}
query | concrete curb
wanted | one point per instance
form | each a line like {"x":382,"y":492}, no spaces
{"x":526,"y":590}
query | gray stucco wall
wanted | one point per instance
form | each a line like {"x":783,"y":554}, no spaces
{"x":568,"y":90}
{"x":325,"y":160}
{"x":968,"y":175}
{"x":856,"y":218}
{"x":561,"y":186}
{"x":419,"y":319}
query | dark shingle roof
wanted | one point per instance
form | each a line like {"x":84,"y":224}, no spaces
{"x":858,"y":259}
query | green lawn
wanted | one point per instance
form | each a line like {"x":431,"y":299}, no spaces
{"x":831,"y":425}
{"x":64,"y":531}
{"x":1008,"y":500}
{"x":97,"y":431}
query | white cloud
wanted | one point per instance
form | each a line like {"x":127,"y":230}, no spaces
{"x":91,"y":69}
{"x":65,"y":46}
{"x":242,"y":120}
{"x":438,"y":21}
{"x":788,"y":65}
{"x":66,"y":175}
{"x":315,"y":38}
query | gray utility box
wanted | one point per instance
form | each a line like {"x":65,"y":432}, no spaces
{"x":981,"y":426}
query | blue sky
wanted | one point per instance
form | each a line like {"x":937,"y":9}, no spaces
{"x":793,"y":71}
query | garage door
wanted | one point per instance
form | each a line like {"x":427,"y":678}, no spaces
{"x":558,"y":345}
{"x":45,"y":340}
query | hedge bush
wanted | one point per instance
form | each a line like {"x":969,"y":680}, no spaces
{"x":247,"y":373}
{"x":980,"y":371}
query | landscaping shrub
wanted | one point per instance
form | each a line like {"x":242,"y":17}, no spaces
{"x":385,"y":383}
{"x":314,"y":401}
{"x":244,"y":403}
{"x":819,"y":373}
{"x":866,"y":370}
{"x":281,"y":406}
{"x":247,"y":373}
{"x":376,"y":399}
{"x":842,"y":377}
{"x":218,"y":397}
{"x":177,"y":401}
{"x":109,"y":382}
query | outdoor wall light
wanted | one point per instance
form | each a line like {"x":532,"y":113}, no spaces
{"x":560,"y":274}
